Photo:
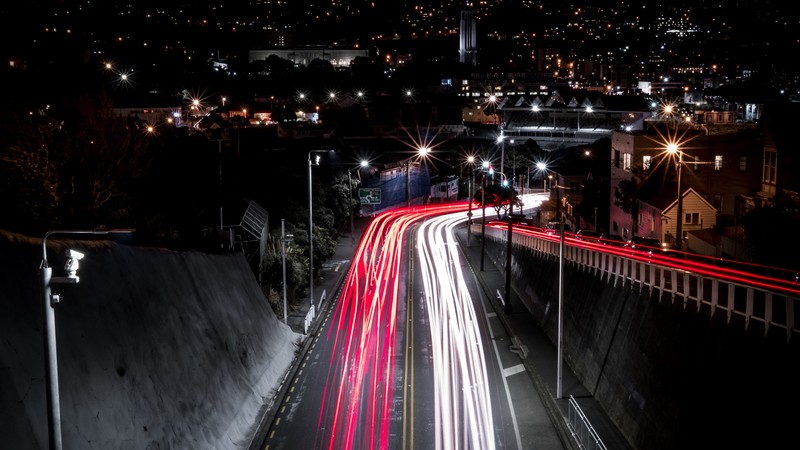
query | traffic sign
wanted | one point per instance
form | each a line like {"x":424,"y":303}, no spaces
{"x":371,"y":196}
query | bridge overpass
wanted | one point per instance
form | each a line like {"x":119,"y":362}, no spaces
{"x":678,"y":358}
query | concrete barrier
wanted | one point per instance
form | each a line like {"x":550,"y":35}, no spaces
{"x":156,"y":348}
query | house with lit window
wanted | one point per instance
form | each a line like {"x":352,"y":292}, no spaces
{"x":719,"y":170}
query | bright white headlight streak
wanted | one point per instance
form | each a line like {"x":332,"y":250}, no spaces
{"x":463,"y":404}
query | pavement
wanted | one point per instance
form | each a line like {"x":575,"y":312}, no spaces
{"x":541,"y":357}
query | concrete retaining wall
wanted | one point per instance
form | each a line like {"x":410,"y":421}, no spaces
{"x":156,"y":349}
{"x":669,"y":377}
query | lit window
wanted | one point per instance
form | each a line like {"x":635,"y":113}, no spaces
{"x":646,"y":162}
{"x":770,"y":166}
{"x":743,"y":163}
{"x":718,"y":162}
{"x":626,"y":161}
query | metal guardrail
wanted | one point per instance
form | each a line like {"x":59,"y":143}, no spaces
{"x":735,"y":298}
{"x":581,"y":429}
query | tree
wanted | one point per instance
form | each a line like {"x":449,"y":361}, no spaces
{"x":79,"y":165}
{"x":498,"y":197}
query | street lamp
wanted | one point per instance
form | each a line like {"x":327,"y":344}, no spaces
{"x":673,"y":148}
{"x":219,"y":136}
{"x":49,"y":300}
{"x":364,"y":163}
{"x":470,"y":161}
{"x":421,"y":152}
{"x":501,"y":140}
{"x":285,"y":239}
{"x":314,"y":162}
{"x":507,"y":304}
{"x":486,"y":167}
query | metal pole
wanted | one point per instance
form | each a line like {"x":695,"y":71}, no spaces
{"x":469,"y":206}
{"x":483,"y":222}
{"x":220,"y":185}
{"x":507,"y":305}
{"x":679,"y":223}
{"x":350,"y":203}
{"x":558,"y":201}
{"x":50,"y":360}
{"x":408,"y":183}
{"x":595,"y":218}
{"x":502,"y":151}
{"x":559,"y":363}
{"x":283,"y":254}
{"x":49,"y":334}
{"x":310,"y":240}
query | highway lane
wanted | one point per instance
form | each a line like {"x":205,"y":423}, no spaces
{"x":411,"y":355}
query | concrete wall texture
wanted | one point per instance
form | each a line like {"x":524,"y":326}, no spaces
{"x":669,"y":376}
{"x":156,"y":349}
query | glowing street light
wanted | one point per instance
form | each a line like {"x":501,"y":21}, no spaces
{"x":471,"y":162}
{"x":314,"y":162}
{"x":422,"y":152}
{"x":362,"y":164}
{"x":502,"y":141}
{"x":674,"y":150}
{"x":486,"y":168}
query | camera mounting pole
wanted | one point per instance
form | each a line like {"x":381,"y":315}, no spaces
{"x":49,"y":325}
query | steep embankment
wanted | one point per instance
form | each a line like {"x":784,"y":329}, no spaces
{"x":156,"y":349}
{"x":669,"y":374}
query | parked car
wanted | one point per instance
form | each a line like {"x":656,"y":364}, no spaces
{"x":554,"y":227}
{"x":643,"y":244}
{"x":588,"y":235}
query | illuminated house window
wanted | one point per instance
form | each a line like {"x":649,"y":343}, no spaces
{"x":743,"y":163}
{"x":646,"y":162}
{"x":626,"y":161}
{"x":770,"y":167}
{"x":718,"y":162}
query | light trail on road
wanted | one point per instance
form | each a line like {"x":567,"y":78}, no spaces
{"x":463,"y":404}
{"x":357,"y":398}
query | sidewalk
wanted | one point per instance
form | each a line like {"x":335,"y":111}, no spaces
{"x":541,"y":360}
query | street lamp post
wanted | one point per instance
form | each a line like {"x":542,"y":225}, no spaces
{"x":673,"y":148}
{"x":507,"y":304}
{"x":470,"y":160}
{"x":363,"y":163}
{"x":483,"y":220}
{"x":49,"y":301}
{"x":315,"y":162}
{"x":350,"y":205}
{"x":560,"y":360}
{"x":285,"y":239}
{"x":408,"y":183}
{"x":422,"y":152}
{"x":219,"y":137}
{"x":502,"y":141}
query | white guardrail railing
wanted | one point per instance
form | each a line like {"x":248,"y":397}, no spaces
{"x":752,"y":302}
{"x":581,"y":429}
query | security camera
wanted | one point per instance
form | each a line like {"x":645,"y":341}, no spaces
{"x":72,"y":263}
{"x":74,"y":254}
